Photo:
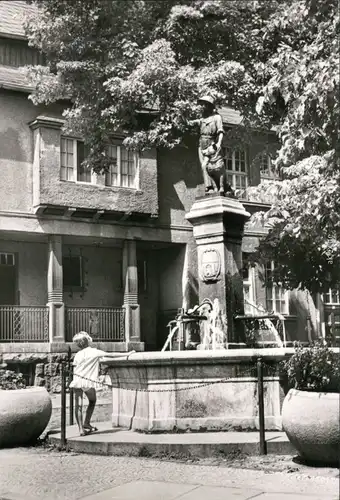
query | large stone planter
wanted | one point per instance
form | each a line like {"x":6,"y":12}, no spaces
{"x":24,"y":414}
{"x":311,"y":421}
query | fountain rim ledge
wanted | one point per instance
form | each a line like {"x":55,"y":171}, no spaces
{"x":202,"y":357}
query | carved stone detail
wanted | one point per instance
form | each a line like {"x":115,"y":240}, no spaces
{"x":210,"y":266}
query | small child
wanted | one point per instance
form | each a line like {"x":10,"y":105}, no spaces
{"x":85,"y":378}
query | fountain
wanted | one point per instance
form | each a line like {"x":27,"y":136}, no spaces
{"x":212,"y":385}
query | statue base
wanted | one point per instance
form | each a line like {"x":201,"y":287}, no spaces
{"x":218,"y":223}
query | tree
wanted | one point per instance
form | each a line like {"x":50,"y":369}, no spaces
{"x":112,"y":59}
{"x":301,"y":98}
{"x":275,"y":61}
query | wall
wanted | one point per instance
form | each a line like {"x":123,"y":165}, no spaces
{"x":175,"y":264}
{"x":102,"y":277}
{"x":16,"y":167}
{"x":179,"y":174}
{"x":102,"y":274}
{"x":180,"y":178}
{"x":179,"y":182}
{"x":170,"y":278}
{"x":32,"y":275}
{"x":16,"y":150}
{"x":50,"y":190}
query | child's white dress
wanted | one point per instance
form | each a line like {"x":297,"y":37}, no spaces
{"x":86,"y":369}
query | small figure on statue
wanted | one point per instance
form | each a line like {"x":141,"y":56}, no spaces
{"x":210,"y":148}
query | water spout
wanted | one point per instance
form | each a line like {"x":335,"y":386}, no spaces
{"x":214,"y":330}
{"x":213,"y":327}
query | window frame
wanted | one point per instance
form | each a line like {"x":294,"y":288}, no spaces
{"x":248,"y":283}
{"x":104,"y":184}
{"x":5,"y":257}
{"x":234,"y":173}
{"x":283,"y":294}
{"x":331,"y":292}
{"x":136,"y":160}
{"x":75,"y":167}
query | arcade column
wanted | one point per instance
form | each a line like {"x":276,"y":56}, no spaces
{"x":55,"y":290}
{"x":131,"y":305}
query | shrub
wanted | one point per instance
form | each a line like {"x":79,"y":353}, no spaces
{"x":315,"y":368}
{"x":10,"y":380}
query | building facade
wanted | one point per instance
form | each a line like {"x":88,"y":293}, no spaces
{"x":108,"y":253}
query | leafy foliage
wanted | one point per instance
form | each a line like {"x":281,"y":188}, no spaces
{"x":10,"y":380}
{"x":115,"y":59}
{"x":301,"y":98}
{"x":303,"y":238}
{"x":316,"y":368}
{"x":138,"y":67}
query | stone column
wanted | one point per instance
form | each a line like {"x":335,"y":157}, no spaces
{"x":55,"y":290}
{"x":131,"y":305}
{"x":218,"y":224}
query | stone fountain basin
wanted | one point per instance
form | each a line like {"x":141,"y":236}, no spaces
{"x":148,"y":390}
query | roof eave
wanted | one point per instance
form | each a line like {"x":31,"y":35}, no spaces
{"x":13,"y":36}
{"x":17,"y":88}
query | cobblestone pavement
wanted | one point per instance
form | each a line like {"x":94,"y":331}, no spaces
{"x":38,"y":473}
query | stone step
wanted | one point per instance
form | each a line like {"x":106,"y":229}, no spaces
{"x":122,"y":442}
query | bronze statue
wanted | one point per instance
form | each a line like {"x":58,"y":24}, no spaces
{"x":210,"y":148}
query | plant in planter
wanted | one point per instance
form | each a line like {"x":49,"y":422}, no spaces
{"x":10,"y":380}
{"x":310,"y":412}
{"x":24,"y":411}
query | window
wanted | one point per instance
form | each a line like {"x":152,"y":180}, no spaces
{"x":332,"y":297}
{"x":7,"y":259}
{"x":248,"y":274}
{"x":267,"y":169}
{"x":73,"y":272}
{"x":237,"y":168}
{"x":72,"y":155}
{"x":276,"y":295}
{"x":123,"y":168}
{"x":16,"y":53}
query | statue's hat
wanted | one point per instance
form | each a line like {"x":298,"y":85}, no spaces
{"x":207,"y":98}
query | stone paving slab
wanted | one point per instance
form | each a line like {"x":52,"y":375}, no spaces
{"x":293,"y":496}
{"x":120,"y":442}
{"x":144,"y":490}
{"x":218,"y":493}
{"x":155,"y":490}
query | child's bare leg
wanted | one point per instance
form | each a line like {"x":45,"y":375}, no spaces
{"x":78,"y":409}
{"x":92,"y":397}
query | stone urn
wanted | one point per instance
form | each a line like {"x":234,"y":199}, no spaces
{"x":24,"y":415}
{"x":311,"y":421}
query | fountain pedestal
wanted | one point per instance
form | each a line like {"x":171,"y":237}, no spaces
{"x":218,"y":224}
